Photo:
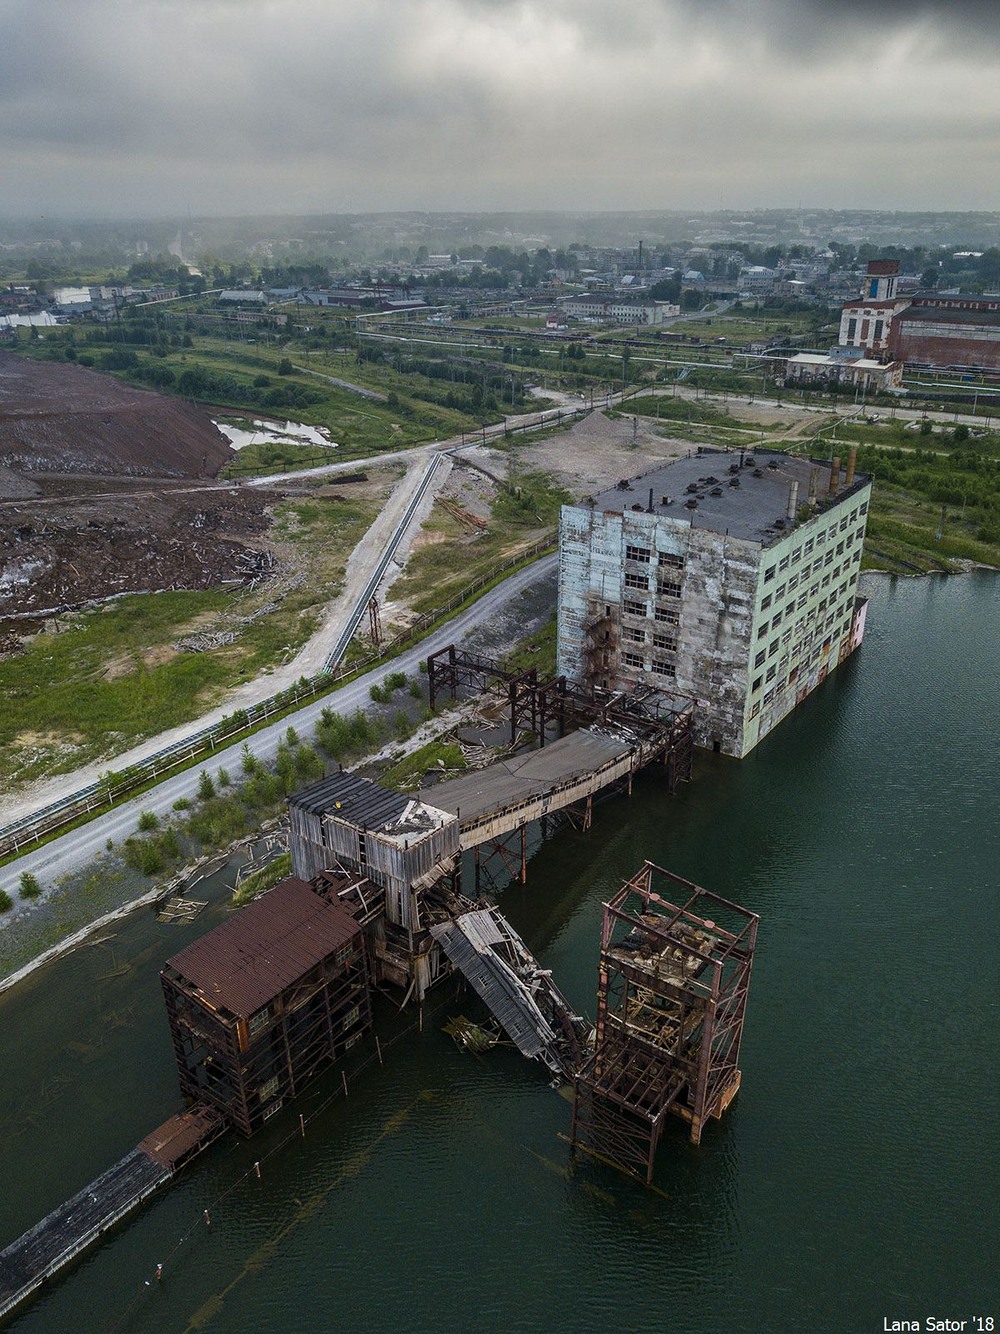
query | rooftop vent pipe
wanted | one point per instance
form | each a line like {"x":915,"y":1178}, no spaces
{"x":793,"y":500}
{"x":835,"y":475}
{"x":852,"y":458}
{"x":813,"y":487}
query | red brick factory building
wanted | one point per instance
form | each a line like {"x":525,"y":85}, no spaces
{"x":940,"y":329}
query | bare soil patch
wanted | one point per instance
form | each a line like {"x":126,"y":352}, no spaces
{"x":597,"y":451}
{"x":61,"y":551}
{"x":60,"y":418}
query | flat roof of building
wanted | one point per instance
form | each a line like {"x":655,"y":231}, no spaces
{"x":949,"y":315}
{"x":750,"y":510}
{"x":821,"y":359}
{"x":254,"y":955}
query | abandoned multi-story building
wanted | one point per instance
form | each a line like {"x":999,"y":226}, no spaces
{"x":729,"y":578}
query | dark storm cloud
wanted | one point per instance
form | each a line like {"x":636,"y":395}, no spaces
{"x":247,"y":105}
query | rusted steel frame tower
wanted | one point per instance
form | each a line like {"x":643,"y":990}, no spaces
{"x":672,"y":993}
{"x":450,"y":668}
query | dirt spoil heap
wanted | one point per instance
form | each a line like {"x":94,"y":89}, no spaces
{"x":60,"y":418}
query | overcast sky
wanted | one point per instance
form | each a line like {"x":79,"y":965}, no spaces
{"x":122,"y":107}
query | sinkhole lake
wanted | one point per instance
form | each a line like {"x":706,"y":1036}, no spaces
{"x":852,"y":1181}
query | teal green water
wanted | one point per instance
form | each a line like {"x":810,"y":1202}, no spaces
{"x":852,"y":1180}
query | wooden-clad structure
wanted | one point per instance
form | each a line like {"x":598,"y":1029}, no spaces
{"x":263,"y":1002}
{"x":521,"y":995}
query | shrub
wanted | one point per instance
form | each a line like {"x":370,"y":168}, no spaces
{"x":182,"y":804}
{"x":30,"y":888}
{"x":416,"y":689}
{"x":341,"y":737}
{"x":6,"y":902}
{"x":395,"y":681}
{"x":148,"y":820}
{"x":292,"y":737}
{"x":206,"y":788}
{"x":222,"y":778}
{"x":143,"y":855}
{"x":249,"y":760}
{"x":308,"y":764}
{"x":169,"y":844}
{"x":219,"y":821}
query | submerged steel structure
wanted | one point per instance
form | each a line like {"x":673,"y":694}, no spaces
{"x":410,"y":847}
{"x":672,"y":991}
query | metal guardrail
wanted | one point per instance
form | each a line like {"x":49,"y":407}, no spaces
{"x":20,"y":835}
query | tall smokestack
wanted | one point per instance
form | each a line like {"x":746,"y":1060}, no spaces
{"x":835,"y":475}
{"x":852,"y":458}
{"x":793,"y":500}
{"x":650,"y":500}
{"x":813,"y":487}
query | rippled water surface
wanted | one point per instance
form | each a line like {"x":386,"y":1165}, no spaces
{"x":853,"y":1178}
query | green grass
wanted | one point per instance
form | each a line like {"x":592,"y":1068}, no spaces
{"x":265,"y":878}
{"x":680,"y":410}
{"x":903,"y":528}
{"x":536,"y":650}
{"x":408,"y":772}
{"x":61,"y":701}
{"x":521,"y":512}
{"x":100,"y":686}
{"x":277,"y":456}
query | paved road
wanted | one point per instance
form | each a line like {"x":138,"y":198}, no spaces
{"x":75,"y":848}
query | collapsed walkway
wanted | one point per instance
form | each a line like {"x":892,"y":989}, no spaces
{"x":521,"y":995}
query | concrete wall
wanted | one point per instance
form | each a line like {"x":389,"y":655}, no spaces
{"x":693,"y":642}
{"x":746,"y":631}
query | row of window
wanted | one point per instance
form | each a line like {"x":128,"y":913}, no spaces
{"x":645,"y":556}
{"x":828,"y":534}
{"x":799,"y":602}
{"x":665,"y":588}
{"x":664,"y":615}
{"x":633,"y":635}
{"x":809,"y":650}
{"x":817,"y":565}
{"x":659,"y":666}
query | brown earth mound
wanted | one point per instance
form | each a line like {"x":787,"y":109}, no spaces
{"x":59,"y":418}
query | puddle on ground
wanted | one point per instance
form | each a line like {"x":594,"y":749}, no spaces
{"x":245,"y":431}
